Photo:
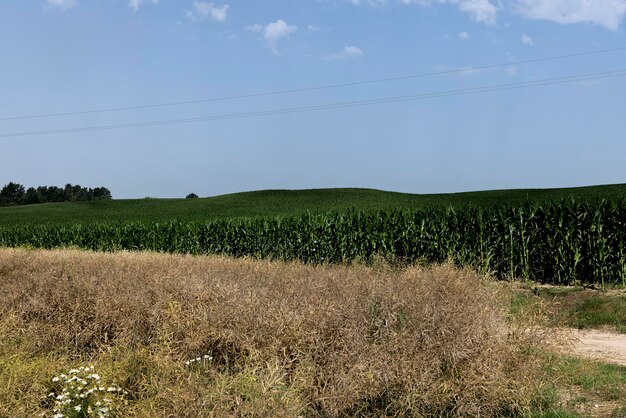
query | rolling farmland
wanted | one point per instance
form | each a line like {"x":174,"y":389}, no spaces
{"x":566,"y":241}
{"x":272,"y":203}
{"x":243,"y":335}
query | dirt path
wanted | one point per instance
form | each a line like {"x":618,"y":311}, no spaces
{"x":606,"y":346}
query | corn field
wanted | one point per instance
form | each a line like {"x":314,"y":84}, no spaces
{"x":560,"y":243}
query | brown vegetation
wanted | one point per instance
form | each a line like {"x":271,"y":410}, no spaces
{"x":286,"y":339}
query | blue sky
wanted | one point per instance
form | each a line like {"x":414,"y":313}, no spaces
{"x":61,"y":56}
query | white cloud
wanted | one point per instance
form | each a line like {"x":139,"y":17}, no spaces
{"x":204,"y":9}
{"x":347,"y":52}
{"x":468,"y":71}
{"x":273,"y":32}
{"x":463,"y":35}
{"x":135,"y":4}
{"x":458,"y":71}
{"x":608,"y":13}
{"x":255,"y":28}
{"x":316,"y":29}
{"x":511,"y":71}
{"x":61,"y":4}
{"x":527,"y":40}
{"x":420,"y":2}
{"x":373,"y":3}
{"x":479,"y":10}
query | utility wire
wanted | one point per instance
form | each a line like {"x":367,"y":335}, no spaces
{"x":395,"y":99}
{"x":315,"y":88}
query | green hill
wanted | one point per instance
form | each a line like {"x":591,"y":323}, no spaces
{"x":282,"y":203}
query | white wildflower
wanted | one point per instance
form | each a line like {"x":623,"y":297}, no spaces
{"x":81,"y":395}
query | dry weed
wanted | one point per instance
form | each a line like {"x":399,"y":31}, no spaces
{"x":285,"y":339}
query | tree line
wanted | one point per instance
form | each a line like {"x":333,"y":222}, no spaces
{"x":14,"y":194}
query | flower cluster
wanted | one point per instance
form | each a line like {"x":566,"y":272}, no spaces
{"x":79,"y":393}
{"x":204,"y":359}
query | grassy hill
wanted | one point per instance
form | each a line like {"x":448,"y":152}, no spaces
{"x":282,"y":203}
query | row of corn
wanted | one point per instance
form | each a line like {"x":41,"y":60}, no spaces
{"x":562,"y":243}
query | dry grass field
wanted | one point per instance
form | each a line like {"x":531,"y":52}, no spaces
{"x":274,"y":339}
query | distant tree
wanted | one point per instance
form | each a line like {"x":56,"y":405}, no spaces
{"x":55,"y":194}
{"x":191,"y":196}
{"x":12,"y":194}
{"x":31,"y":196}
{"x":42,"y":194}
{"x":74,"y":193}
{"x":100,"y":193}
{"x":68,"y":193}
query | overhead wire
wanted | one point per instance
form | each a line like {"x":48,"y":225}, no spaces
{"x":384,"y":100}
{"x":315,"y":88}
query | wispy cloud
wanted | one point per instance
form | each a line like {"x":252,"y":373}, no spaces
{"x":511,"y":71}
{"x":136,"y":4}
{"x":479,"y":10}
{"x":463,"y":36}
{"x":608,"y":13}
{"x":347,"y":52}
{"x":458,"y":72}
{"x":527,"y":40}
{"x":273,"y":32}
{"x":61,"y":4}
{"x":208,"y":10}
{"x":373,"y":3}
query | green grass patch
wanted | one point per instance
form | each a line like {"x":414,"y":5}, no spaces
{"x":556,"y":414}
{"x":574,"y":307}
{"x":594,"y":381}
{"x":606,"y":381}
{"x":599,"y":310}
{"x":271,"y":203}
{"x":584,"y":388}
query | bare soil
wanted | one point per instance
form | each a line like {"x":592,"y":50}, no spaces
{"x":598,"y":344}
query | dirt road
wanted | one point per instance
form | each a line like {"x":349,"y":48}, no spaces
{"x":605,"y":346}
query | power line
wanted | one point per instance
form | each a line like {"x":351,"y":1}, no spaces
{"x":315,"y":88}
{"x":384,"y":100}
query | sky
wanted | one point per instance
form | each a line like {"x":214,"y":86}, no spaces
{"x":77,"y":56}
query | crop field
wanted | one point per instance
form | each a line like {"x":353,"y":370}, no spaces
{"x":560,"y":242}
{"x":344,"y":310}
{"x":273,"y":203}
